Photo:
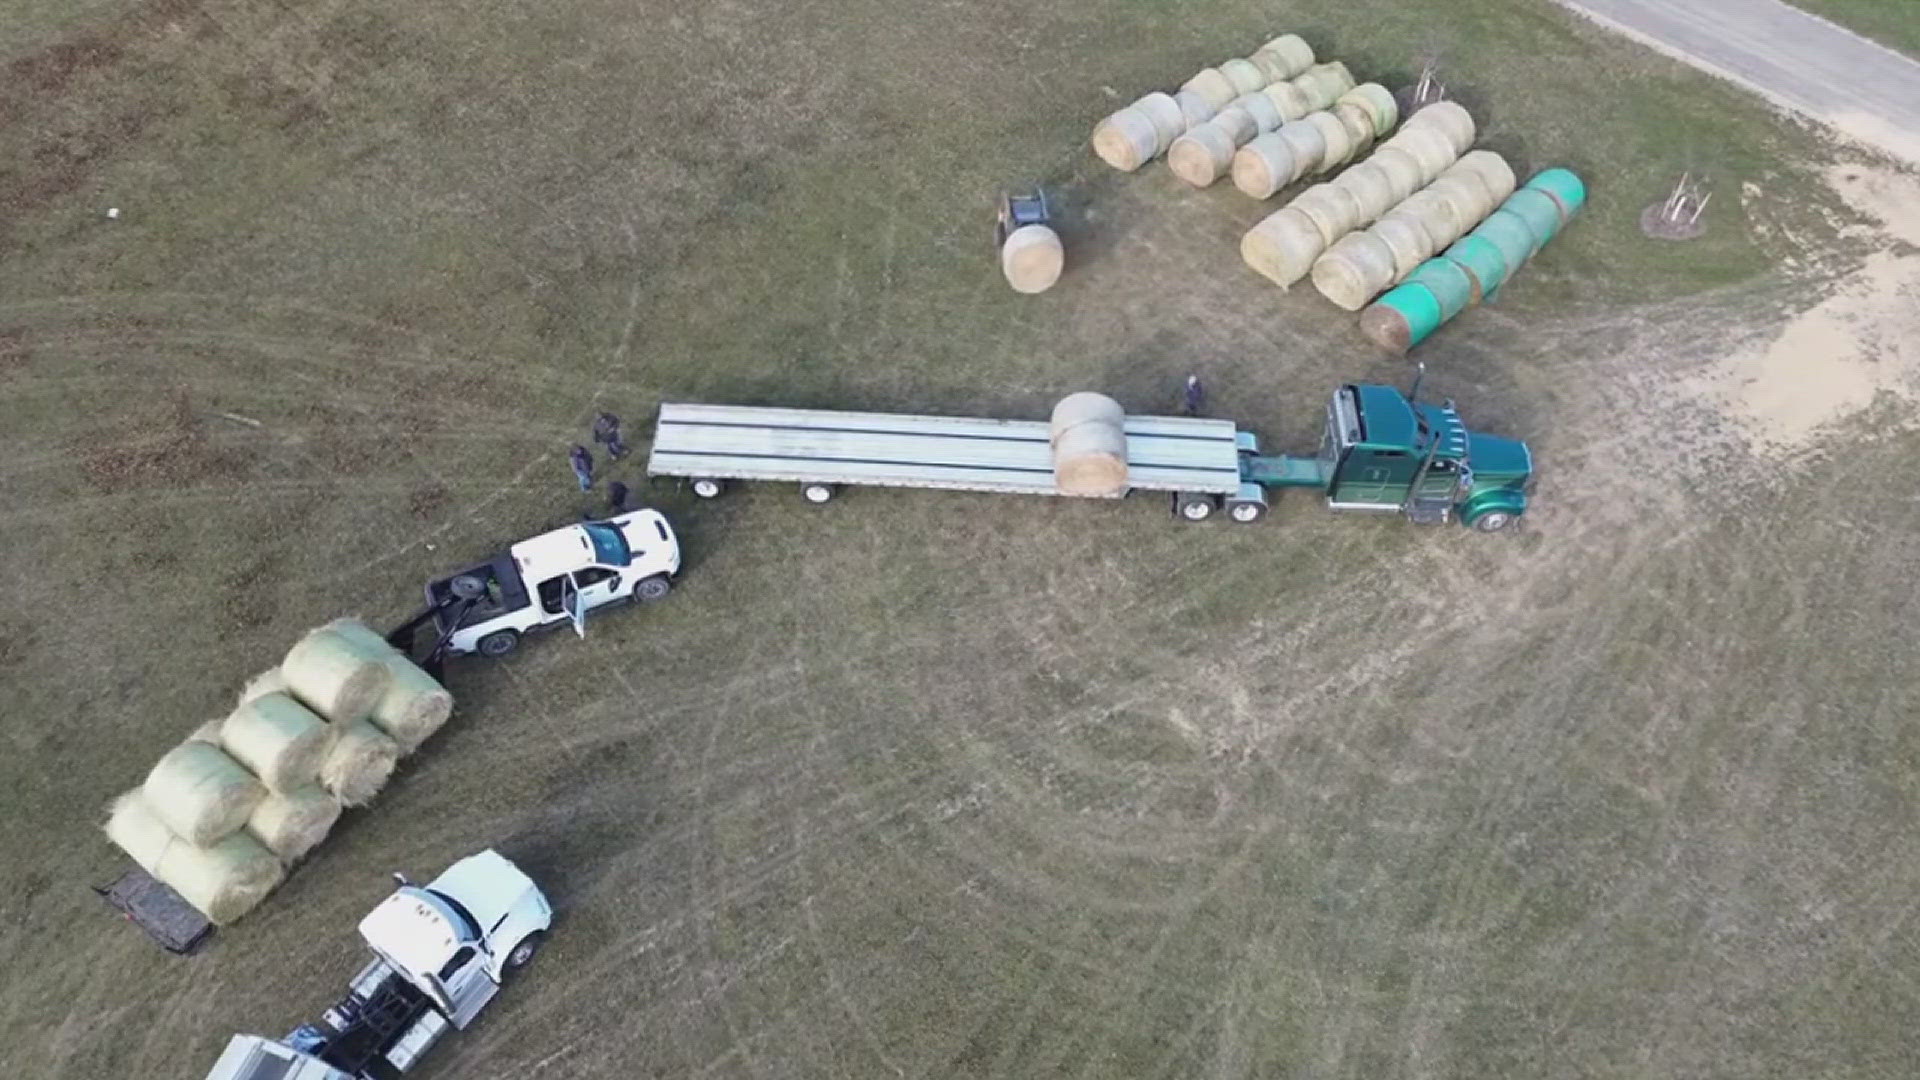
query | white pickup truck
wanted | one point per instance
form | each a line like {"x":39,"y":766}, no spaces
{"x":440,"y":954}
{"x":554,"y":579}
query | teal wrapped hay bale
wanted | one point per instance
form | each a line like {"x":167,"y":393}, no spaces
{"x":1484,"y":263}
{"x":1510,"y":234}
{"x":1448,"y":282}
{"x":1540,"y":213}
{"x":1402,"y":318}
{"x":1566,"y":188}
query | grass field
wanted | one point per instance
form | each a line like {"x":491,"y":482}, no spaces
{"x":1895,"y":25}
{"x":941,"y":785}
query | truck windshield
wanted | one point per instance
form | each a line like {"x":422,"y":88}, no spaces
{"x":609,"y":547}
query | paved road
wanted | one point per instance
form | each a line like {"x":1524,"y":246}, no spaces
{"x":1804,"y":63}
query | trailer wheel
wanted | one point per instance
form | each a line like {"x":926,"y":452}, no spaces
{"x":1193,"y":505}
{"x":817,"y":493}
{"x":1246,"y":511}
{"x":524,"y":952}
{"x":498,"y":643}
{"x":707,"y":487}
{"x":649,"y":589}
{"x":1492,"y":521}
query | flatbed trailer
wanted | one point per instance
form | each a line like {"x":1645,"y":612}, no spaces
{"x":1380,"y":450}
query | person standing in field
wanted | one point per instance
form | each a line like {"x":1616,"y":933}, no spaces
{"x":582,"y":463}
{"x":616,"y":498}
{"x":606,"y":429}
{"x":1194,"y":398}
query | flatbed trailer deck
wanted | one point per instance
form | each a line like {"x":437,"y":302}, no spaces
{"x":811,"y":446}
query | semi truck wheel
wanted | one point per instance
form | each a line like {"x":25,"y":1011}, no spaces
{"x":706,"y":488}
{"x":649,"y":589}
{"x":1492,"y":521}
{"x":499,"y":643}
{"x":1193,"y":505}
{"x":817,"y":493}
{"x":1246,"y":512}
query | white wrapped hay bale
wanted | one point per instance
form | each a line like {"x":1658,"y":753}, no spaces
{"x":1215,"y":87}
{"x":1205,"y":154}
{"x":292,"y":823}
{"x":1370,"y":187}
{"x":1294,"y":53}
{"x":334,"y":676}
{"x":1126,"y":140}
{"x":1088,"y":433}
{"x":201,"y":793}
{"x":1282,"y":247}
{"x":1245,"y":75}
{"x":1379,"y":104}
{"x":1168,"y":120}
{"x":137,"y":830}
{"x":1357,"y":268}
{"x":1429,"y":147}
{"x":1266,"y":116}
{"x":223,"y":880}
{"x":269,"y":681}
{"x":415,"y":704}
{"x":1493,"y":171}
{"x":1273,"y":66}
{"x":1400,"y":168}
{"x":1468,"y":197}
{"x":1407,"y":241}
{"x":1333,"y":135}
{"x":1194,"y":109}
{"x":359,"y":763}
{"x":1290,"y":100}
{"x":1264,"y":166}
{"x":1308,"y":146}
{"x":1359,"y":126}
{"x":208,"y":732}
{"x":278,"y":739}
{"x":1325,"y":82}
{"x":1031,"y":259}
{"x":1332,"y":210}
{"x":1438,"y":219}
{"x":1449,"y":118}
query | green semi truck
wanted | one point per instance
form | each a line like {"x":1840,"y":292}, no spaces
{"x":1382,"y":450}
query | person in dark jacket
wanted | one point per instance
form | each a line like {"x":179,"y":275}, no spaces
{"x":606,"y":429}
{"x":582,"y":463}
{"x":1195,"y":397}
{"x":616,"y":498}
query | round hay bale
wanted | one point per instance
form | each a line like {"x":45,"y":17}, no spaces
{"x":1448,"y":283}
{"x":1333,"y":133}
{"x":1294,"y":50}
{"x":1273,"y":66}
{"x":1307,"y":144}
{"x":1401,"y":319}
{"x":1451,"y":119}
{"x":1091,"y":459}
{"x":1085,"y":407}
{"x":1332,"y":210}
{"x":294,"y":823}
{"x":1566,"y":187}
{"x":1508,"y":232}
{"x":1379,"y":103}
{"x":1237,"y":123}
{"x":1407,"y":241}
{"x":1292,"y":102}
{"x":278,"y":739}
{"x":1266,"y":115}
{"x":1359,"y":126}
{"x":223,"y":880}
{"x":1333,"y":78}
{"x":1168,"y":121}
{"x":1467,"y":195}
{"x":1209,"y":83}
{"x":1357,"y":268}
{"x":137,"y":830}
{"x":415,"y":705}
{"x":269,"y":681}
{"x":333,"y":676}
{"x":1126,"y":140}
{"x":359,"y":763}
{"x":1539,"y":210}
{"x":201,"y":793}
{"x":1439,"y":217}
{"x":1402,"y":171}
{"x":1430,"y":148}
{"x":1282,"y":247}
{"x":1486,"y":267}
{"x":1194,"y":110}
{"x":1204,"y":154}
{"x":1245,"y":75}
{"x":208,"y":732}
{"x":1493,"y":171}
{"x":1371,"y":189}
{"x":1032,"y":259}
{"x":1264,"y":166}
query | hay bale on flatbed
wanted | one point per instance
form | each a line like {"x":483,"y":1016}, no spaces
{"x":201,"y":793}
{"x":359,"y":763}
{"x":415,"y":704}
{"x":294,"y":823}
{"x":334,"y":676}
{"x":278,"y":739}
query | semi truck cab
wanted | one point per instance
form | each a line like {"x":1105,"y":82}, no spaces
{"x":555,"y":579}
{"x":440,"y":954}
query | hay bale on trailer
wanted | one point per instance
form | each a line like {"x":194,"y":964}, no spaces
{"x":278,"y":739}
{"x":334,"y":676}
{"x":415,"y":704}
{"x":269,"y":681}
{"x":201,"y":793}
{"x":1088,"y":433}
{"x":208,"y":732}
{"x":222,"y":880}
{"x":359,"y":763}
{"x":135,"y":829}
{"x":293,"y":823}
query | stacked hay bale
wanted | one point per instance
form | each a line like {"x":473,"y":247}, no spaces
{"x":1150,"y":126}
{"x":1316,"y":142}
{"x":1477,"y":265}
{"x":1208,"y":151}
{"x":1088,"y":435}
{"x":1285,"y":246}
{"x":1432,"y":220}
{"x":221,"y":816}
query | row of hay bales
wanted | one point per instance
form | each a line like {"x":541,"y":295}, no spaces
{"x":1149,"y":127}
{"x":1316,"y":143}
{"x":1285,"y":246}
{"x":221,"y":816}
{"x":1475,"y":266}
{"x":1206,"y":151}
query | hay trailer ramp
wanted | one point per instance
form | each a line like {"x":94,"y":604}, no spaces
{"x":440,"y":954}
{"x":1381,"y":450}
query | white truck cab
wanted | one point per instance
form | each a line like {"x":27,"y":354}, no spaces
{"x":440,"y":954}
{"x":556,"y":578}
